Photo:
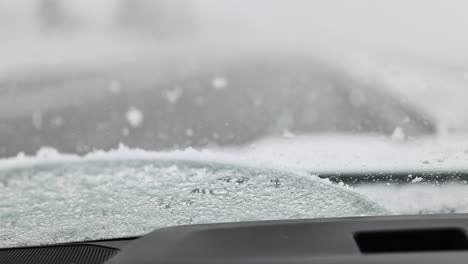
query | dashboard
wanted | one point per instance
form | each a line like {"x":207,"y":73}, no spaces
{"x":389,"y":239}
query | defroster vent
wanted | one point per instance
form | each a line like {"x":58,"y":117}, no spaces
{"x":64,"y":254}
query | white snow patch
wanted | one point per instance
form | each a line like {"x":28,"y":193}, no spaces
{"x":330,"y":153}
{"x":318,"y":154}
{"x":419,"y":198}
{"x":47,"y":155}
{"x":416,"y":180}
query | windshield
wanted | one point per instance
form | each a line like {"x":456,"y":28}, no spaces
{"x":118,"y":117}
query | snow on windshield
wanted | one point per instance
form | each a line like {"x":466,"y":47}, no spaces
{"x":53,"y":197}
{"x":110,"y":195}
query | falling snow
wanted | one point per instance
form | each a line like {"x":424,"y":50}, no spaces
{"x":189,"y":132}
{"x":57,"y":122}
{"x":37,"y":120}
{"x":219,"y":83}
{"x":288,"y":134}
{"x":125,"y":132}
{"x":173,"y":96}
{"x":398,"y":135}
{"x":114,"y":87}
{"x":134,"y":117}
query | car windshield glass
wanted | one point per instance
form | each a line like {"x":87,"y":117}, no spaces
{"x":118,"y":117}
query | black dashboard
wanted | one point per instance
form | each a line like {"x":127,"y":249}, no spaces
{"x":389,"y":239}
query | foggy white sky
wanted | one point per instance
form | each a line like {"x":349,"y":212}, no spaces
{"x":428,"y":27}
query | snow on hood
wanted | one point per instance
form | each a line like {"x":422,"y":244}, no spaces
{"x":361,"y":153}
{"x":336,"y":153}
{"x":419,"y":198}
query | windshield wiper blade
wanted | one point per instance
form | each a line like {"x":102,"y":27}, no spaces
{"x":423,"y":177}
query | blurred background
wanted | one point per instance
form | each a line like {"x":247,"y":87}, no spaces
{"x":170,"y":74}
